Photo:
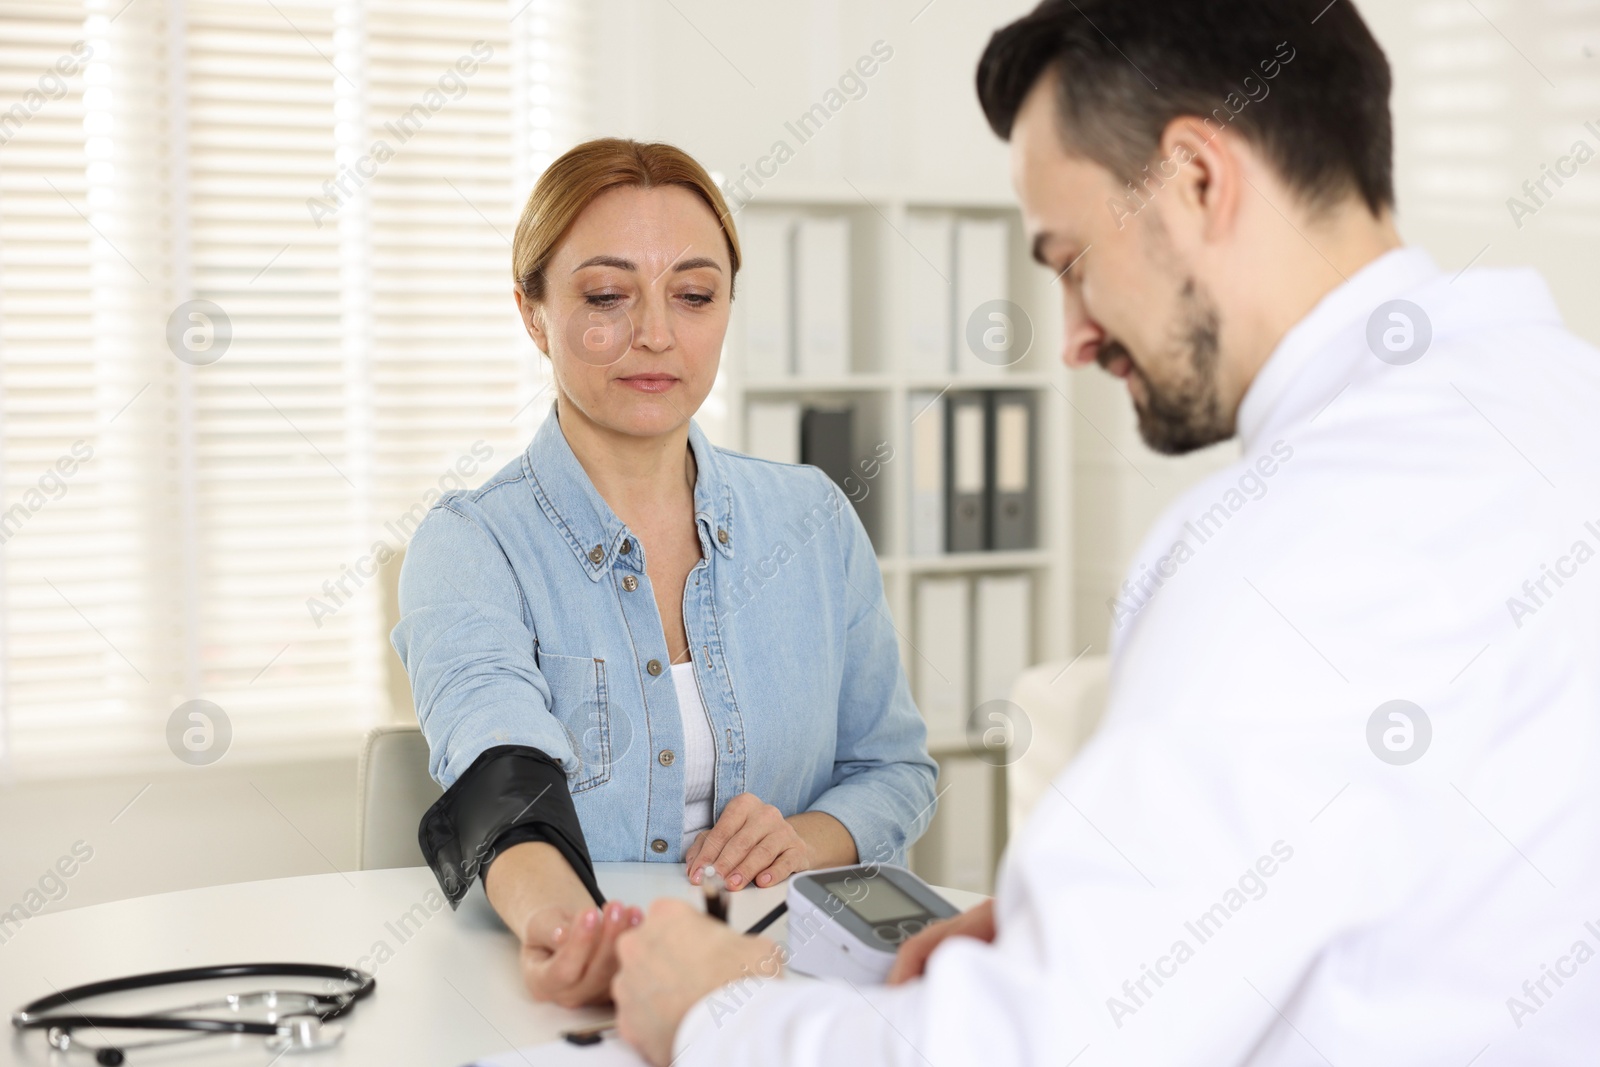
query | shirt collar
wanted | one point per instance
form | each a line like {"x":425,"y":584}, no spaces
{"x":591,"y":529}
{"x":1398,"y":271}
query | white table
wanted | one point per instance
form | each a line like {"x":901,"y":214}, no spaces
{"x":449,"y":986}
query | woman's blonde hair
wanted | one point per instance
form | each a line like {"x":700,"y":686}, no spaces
{"x":574,"y":181}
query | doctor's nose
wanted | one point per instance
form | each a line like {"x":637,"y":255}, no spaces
{"x":1082,"y":339}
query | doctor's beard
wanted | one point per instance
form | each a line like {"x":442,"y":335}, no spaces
{"x":1183,"y":409}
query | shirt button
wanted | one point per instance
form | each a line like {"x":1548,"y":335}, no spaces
{"x":722,"y":535}
{"x":596,"y":554}
{"x":627,"y":546}
{"x":666,"y":757}
{"x":658,"y":845}
{"x":653,"y":667}
{"x":630,"y":583}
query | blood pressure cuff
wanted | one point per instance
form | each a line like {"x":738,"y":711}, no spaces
{"x":510,"y":794}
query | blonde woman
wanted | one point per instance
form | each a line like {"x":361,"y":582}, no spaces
{"x":629,"y":644}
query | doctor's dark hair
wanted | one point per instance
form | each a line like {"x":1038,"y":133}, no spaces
{"x":581,"y":175}
{"x":1308,"y":85}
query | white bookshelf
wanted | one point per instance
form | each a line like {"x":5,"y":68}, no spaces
{"x":879,"y":387}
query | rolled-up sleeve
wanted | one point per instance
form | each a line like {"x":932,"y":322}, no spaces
{"x":883,"y":778}
{"x":466,"y":644}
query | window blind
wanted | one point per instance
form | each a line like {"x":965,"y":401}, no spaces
{"x":255,"y":267}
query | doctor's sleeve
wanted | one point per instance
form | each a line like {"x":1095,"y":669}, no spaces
{"x":1142,"y":846}
{"x":484,"y":708}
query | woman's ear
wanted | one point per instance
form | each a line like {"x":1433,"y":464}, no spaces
{"x":532,"y":313}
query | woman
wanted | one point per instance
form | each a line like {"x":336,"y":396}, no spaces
{"x":629,"y":644}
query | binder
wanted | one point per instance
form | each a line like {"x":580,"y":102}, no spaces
{"x":964,"y":829}
{"x":966,"y":471}
{"x":930,"y":273}
{"x":1011,"y":445}
{"x":925,"y":417}
{"x":941,"y":656}
{"x":772,"y":430}
{"x":825,"y":441}
{"x":822,"y":298}
{"x":1002,"y":638}
{"x":766,"y":296}
{"x":982,"y":247}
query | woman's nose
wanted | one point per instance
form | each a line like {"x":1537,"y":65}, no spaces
{"x":653,"y":330}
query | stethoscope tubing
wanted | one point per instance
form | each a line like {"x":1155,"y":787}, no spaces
{"x":40,"y":1013}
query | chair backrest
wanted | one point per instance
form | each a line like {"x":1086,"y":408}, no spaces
{"x":1063,"y":704}
{"x":393,"y":791}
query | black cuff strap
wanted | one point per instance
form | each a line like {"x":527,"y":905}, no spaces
{"x":510,"y":794}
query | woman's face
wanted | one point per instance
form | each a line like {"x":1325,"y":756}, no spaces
{"x":635,"y":308}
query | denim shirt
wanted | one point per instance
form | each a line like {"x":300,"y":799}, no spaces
{"x":527,"y":618}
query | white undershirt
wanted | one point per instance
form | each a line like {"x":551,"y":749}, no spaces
{"x":699,"y":755}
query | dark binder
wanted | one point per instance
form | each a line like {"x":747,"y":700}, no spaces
{"x":966,"y":472}
{"x":1012,"y":457}
{"x":826,"y":442}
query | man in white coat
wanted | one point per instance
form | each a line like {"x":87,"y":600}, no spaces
{"x":1344,"y":807}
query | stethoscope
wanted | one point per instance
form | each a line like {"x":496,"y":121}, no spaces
{"x":295,"y":1021}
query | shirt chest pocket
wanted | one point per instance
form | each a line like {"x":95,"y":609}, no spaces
{"x":580,"y":703}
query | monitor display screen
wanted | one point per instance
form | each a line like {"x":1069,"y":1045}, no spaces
{"x":874,"y":899}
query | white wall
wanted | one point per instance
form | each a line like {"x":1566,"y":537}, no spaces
{"x":1474,"y":117}
{"x":1474,"y":120}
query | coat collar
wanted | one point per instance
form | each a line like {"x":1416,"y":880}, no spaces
{"x":587,"y":523}
{"x":1397,"y":271}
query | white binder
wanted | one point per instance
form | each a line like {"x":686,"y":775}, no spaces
{"x":772,"y":430}
{"x":942,"y":656}
{"x":1002,"y":637}
{"x":822,"y":298}
{"x":930,"y":278}
{"x":925,"y":415}
{"x":982,"y":247}
{"x":765,"y":296}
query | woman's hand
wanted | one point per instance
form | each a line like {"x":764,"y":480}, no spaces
{"x":751,"y":843}
{"x":570,"y":956}
{"x":913,"y":956}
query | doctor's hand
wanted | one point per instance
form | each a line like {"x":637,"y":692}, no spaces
{"x":751,"y":843}
{"x":913,"y":956}
{"x":671,"y":960}
{"x":569,"y":956}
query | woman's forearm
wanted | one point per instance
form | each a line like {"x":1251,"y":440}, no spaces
{"x":532,"y":876}
{"x":829,"y":843}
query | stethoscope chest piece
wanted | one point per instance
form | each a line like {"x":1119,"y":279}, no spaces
{"x":304,"y":1034}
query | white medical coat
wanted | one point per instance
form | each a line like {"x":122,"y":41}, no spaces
{"x":1240,"y":868}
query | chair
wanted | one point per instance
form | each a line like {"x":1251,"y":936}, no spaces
{"x":393,"y":791}
{"x":1063,"y":705}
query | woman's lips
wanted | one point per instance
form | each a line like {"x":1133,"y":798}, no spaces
{"x":649,"y":383}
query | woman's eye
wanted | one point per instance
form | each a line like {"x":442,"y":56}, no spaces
{"x":698,"y":300}
{"x":602,"y":300}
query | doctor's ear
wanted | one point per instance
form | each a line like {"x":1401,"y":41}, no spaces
{"x":1200,"y":165}
{"x":533,"y":319}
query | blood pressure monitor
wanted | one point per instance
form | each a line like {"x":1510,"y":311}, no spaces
{"x":848,"y":922}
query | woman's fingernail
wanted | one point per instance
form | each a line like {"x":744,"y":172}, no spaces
{"x":555,"y":935}
{"x":734,"y":879}
{"x":765,"y":879}
{"x":591,"y":917}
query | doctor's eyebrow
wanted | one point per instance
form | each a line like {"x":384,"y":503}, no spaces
{"x":627,"y":264}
